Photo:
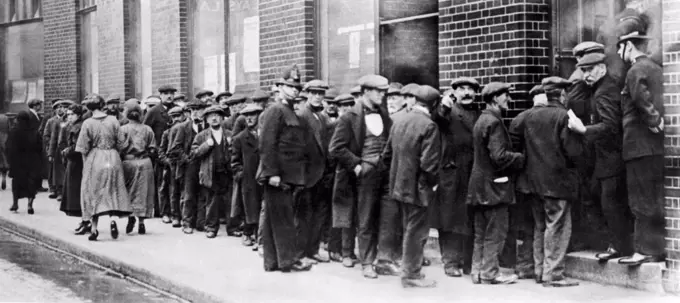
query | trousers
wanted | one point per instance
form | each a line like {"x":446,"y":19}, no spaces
{"x":491,"y":228}
{"x":552,"y":231}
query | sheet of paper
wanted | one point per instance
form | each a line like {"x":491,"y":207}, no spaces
{"x":19,"y":91}
{"x":354,"y":49}
{"x":232,"y":72}
{"x":251,"y":44}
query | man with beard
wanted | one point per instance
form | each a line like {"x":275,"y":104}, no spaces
{"x":395,"y":100}
{"x":449,"y":212}
{"x":357,"y":144}
{"x":169,"y":194}
{"x":606,"y":137}
{"x":53,"y":152}
{"x":284,"y":151}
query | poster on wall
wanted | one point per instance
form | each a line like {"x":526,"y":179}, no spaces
{"x":232,"y":72}
{"x":251,"y":44}
{"x":32,"y":90}
{"x":41,"y":89}
{"x":210,"y":73}
{"x":19,"y":91}
{"x":223,"y":73}
{"x":354,"y":49}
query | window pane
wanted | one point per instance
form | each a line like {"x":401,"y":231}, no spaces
{"x":351,"y":41}
{"x":208,"y":46}
{"x":409,"y":51}
{"x":24,"y":62}
{"x":89,"y":54}
{"x":146,"y":87}
{"x":244,"y":46}
{"x":394,"y":9}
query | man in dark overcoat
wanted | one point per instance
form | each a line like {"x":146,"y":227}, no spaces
{"x":235,"y":122}
{"x":169,"y":195}
{"x":551,"y":150}
{"x":357,"y":144}
{"x":604,"y":134}
{"x":53,"y":152}
{"x":284,"y":154}
{"x":449,"y":213}
{"x":413,"y":153}
{"x":46,"y":131}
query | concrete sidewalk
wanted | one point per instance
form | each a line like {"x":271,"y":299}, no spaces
{"x":222,"y":270}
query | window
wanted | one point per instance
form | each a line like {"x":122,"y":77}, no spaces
{"x":19,"y":10}
{"x":23,"y":69}
{"x":140,"y":40}
{"x":207,"y":45}
{"x":89,"y":54}
{"x":244,"y":46}
{"x":83,"y":4}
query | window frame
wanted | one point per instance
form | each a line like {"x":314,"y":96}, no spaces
{"x":7,"y":23}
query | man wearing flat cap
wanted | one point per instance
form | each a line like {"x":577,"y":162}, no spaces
{"x":579,"y":94}
{"x":360,"y":136}
{"x":204,"y":95}
{"x":395,"y":100}
{"x":331,"y":106}
{"x":222,"y":97}
{"x":413,"y":154}
{"x":449,"y":212}
{"x":604,"y":135}
{"x":643,"y":148}
{"x":53,"y":153}
{"x":158,"y":119}
{"x":551,"y":151}
{"x":166,"y":190}
{"x":235,"y":123}
{"x":284,"y":151}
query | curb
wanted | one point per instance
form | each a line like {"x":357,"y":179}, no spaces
{"x":128,"y":272}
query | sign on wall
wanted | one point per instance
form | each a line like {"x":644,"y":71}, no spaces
{"x":251,"y":44}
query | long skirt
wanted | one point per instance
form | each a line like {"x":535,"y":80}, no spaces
{"x":139,"y":181}
{"x":70,"y":202}
{"x":103,"y":185}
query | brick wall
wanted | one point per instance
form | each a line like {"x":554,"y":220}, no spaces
{"x":501,"y":40}
{"x":170,"y":44}
{"x":61,"y":50}
{"x":111,"y":15}
{"x":287,"y":36}
{"x":671,"y":58}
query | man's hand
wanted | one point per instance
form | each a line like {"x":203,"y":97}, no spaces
{"x":447,"y":100}
{"x":210,"y":142}
{"x":576,"y":125}
{"x":275,"y":181}
{"x":357,"y":170}
{"x":50,"y":158}
{"x":657,"y":129}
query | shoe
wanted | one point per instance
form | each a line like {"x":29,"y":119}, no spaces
{"x":200,"y":229}
{"x":502,"y":279}
{"x":211,"y":234}
{"x":637,"y":260}
{"x":420,"y":283}
{"x":234,"y":233}
{"x":611,"y":253}
{"x":188,"y":230}
{"x":31,"y":211}
{"x":453,"y":272}
{"x":525,"y":276}
{"x":52,"y":195}
{"x":560,"y":283}
{"x":297,"y":267}
{"x":93,"y":236}
{"x":141,"y":229}
{"x":347,"y":262}
{"x":369,"y":272}
{"x":320,"y":258}
{"x":247,"y":241}
{"x":256,"y":247}
{"x":387,"y":269}
{"x":42,"y":189}
{"x":476,"y":279}
{"x":59,"y":197}
{"x":426,"y":262}
{"x":114,"y":230}
{"x":166,"y":219}
{"x":14,"y":208}
{"x":176,"y":223}
{"x":130,"y":225}
{"x":335,"y":257}
{"x":310,"y":261}
{"x":83,"y":228}
{"x":324,"y":246}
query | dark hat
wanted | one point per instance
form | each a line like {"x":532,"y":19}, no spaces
{"x":465,"y":81}
{"x":176,"y":111}
{"x":251,"y":109}
{"x":316,"y":85}
{"x":113,"y":99}
{"x":636,"y":35}
{"x":223,"y":94}
{"x":330,"y":95}
{"x":552,"y":84}
{"x":300,"y":98}
{"x":204,"y":92}
{"x":290,"y":76}
{"x":178,"y":97}
{"x":344,"y":99}
{"x":62,"y":103}
{"x":495,"y":88}
{"x":630,"y":21}
{"x":355,"y":90}
{"x":536,"y":90}
{"x":374,"y":82}
{"x":591,"y":59}
{"x":260,"y":96}
{"x":427,"y":94}
{"x":215,"y":109}
{"x":236,"y":99}
{"x":167,"y":88}
{"x":410,"y":89}
{"x":34,"y":102}
{"x":587,"y":47}
{"x":196,"y":104}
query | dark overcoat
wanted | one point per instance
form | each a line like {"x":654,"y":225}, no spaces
{"x":604,"y":134}
{"x":449,"y":210}
{"x":494,"y":159}
{"x":25,"y":155}
{"x":58,"y":165}
{"x":319,"y":133}
{"x":70,"y":202}
{"x":235,"y":123}
{"x":158,"y":119}
{"x":180,"y":148}
{"x":244,"y":160}
{"x":345,"y":148}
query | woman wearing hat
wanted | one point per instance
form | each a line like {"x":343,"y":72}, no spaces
{"x":24,"y":151}
{"x":103,"y":184}
{"x":70,"y":202}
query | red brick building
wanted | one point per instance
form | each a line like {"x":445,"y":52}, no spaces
{"x":69,"y":48}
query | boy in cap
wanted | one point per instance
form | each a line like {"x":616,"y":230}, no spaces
{"x":360,"y":136}
{"x":551,"y":153}
{"x":168,"y":211}
{"x":345,"y":103}
{"x":53,"y":153}
{"x":244,"y":161}
{"x":413,"y":154}
{"x":211,"y":148}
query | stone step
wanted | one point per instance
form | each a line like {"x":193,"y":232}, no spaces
{"x":584,"y":266}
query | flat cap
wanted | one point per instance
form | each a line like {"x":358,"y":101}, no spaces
{"x":290,"y":76}
{"x":355,"y":90}
{"x":251,"y":108}
{"x":344,"y":99}
{"x":374,"y":81}
{"x":393,"y":91}
{"x":179,"y":97}
{"x":591,"y":59}
{"x":214,"y":109}
{"x":260,"y":96}
{"x":113,"y":99}
{"x":196,"y":104}
{"x":33,"y":102}
{"x":330,"y":95}
{"x":176,"y":111}
{"x":167,"y":88}
{"x":316,"y":85}
{"x":536,"y":90}
{"x":465,"y":81}
{"x":223,"y":94}
{"x":133,"y":100}
{"x":153,"y":99}
{"x":410,"y":89}
{"x":236,"y":99}
{"x":587,"y":47}
{"x":495,"y":88}
{"x":204,"y":92}
{"x":553,"y":83}
{"x":427,"y":94}
{"x":62,"y":103}
{"x":636,"y":35}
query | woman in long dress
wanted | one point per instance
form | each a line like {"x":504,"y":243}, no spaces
{"x":70,"y":203}
{"x":4,"y":134}
{"x":103,"y":189}
{"x":137,"y":168}
{"x":24,"y":151}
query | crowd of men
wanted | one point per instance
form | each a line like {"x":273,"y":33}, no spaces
{"x":303,"y":168}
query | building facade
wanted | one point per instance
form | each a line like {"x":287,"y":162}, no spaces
{"x":70,"y":48}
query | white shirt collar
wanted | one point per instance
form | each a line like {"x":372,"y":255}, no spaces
{"x":217,"y":134}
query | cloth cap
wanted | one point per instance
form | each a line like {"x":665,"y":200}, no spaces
{"x":290,"y":76}
{"x":204,"y":92}
{"x":344,"y":99}
{"x":167,"y":88}
{"x":552,"y":84}
{"x":223,"y":94}
{"x":153,"y":99}
{"x":495,"y":88}
{"x":64,"y":103}
{"x":260,"y":96}
{"x":393,"y":90}
{"x":316,"y":85}
{"x":591,"y":59}
{"x":587,"y":47}
{"x":251,"y":108}
{"x":636,"y":35}
{"x":113,"y":99}
{"x":196,"y":104}
{"x":236,"y":99}
{"x":300,"y":98}
{"x":34,"y":102}
{"x":374,"y":81}
{"x":427,"y":94}
{"x":215,"y":109}
{"x":465,"y":81}
{"x":176,"y":111}
{"x":355,"y":90}
{"x":330,"y":95}
{"x":179,"y":97}
{"x":536,"y":90}
{"x":410,"y":89}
